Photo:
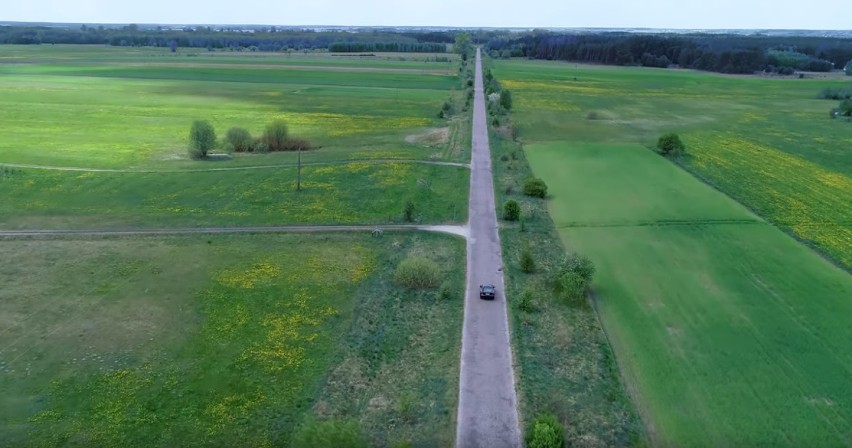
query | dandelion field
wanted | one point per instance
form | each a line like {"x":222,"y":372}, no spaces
{"x":725,"y":329}
{"x":226,"y":340}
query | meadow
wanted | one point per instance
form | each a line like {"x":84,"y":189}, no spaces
{"x":726,"y":330}
{"x":766,"y":142}
{"x":224,"y":340}
{"x":116,"y":108}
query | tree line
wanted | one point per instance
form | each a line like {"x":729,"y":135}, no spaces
{"x":717,"y":53}
{"x":255,"y":38}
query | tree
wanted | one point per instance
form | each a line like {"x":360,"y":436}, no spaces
{"x":848,"y":68}
{"x":535,"y":187}
{"x":202,"y":138}
{"x":239,"y":140}
{"x":506,"y":99}
{"x":846,"y":108}
{"x":670,"y":144}
{"x":511,"y":210}
{"x":408,"y":211}
{"x":462,"y":45}
{"x":275,"y":135}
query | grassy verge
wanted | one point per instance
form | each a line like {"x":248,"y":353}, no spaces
{"x":227,"y":340}
{"x":355,"y":193}
{"x":565,"y":363}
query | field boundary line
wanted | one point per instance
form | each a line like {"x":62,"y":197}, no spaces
{"x":665,"y":223}
{"x":232,"y":168}
{"x":461,"y":231}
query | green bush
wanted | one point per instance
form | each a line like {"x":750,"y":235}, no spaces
{"x":527,"y":261}
{"x":446,"y":291}
{"x":535,"y":187}
{"x":202,"y":138}
{"x":275,"y":135}
{"x":506,"y":99}
{"x":846,"y":108}
{"x":670,"y":145}
{"x":545,"y":432}
{"x":525,"y":304}
{"x":417,"y":273}
{"x":511,"y":210}
{"x":408,"y":211}
{"x":574,"y":277}
{"x":239,"y":140}
{"x":848,"y":68}
{"x":336,"y":433}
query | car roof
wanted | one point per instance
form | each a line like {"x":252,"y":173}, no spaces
{"x":487,"y":286}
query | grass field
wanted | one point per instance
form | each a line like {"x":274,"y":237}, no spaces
{"x":766,"y":142}
{"x":727,"y":331}
{"x":109,"y":107}
{"x":353,"y":193}
{"x":224,"y":340}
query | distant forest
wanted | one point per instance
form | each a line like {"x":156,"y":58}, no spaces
{"x":251,"y":38}
{"x":725,"y":53}
{"x":710,"y":52}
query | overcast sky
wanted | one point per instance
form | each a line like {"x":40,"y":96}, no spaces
{"x":709,"y":14}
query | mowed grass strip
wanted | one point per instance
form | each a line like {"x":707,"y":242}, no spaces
{"x":727,"y":333}
{"x":224,"y":340}
{"x":354,"y":193}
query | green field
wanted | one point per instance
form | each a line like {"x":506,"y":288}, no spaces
{"x":224,"y":340}
{"x":114,"y":108}
{"x":766,"y":142}
{"x":727,"y":331}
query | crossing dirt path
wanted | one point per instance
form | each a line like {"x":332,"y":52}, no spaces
{"x":487,"y":413}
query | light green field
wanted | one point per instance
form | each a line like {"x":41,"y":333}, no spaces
{"x":726,"y":330}
{"x":75,"y":106}
{"x":768,"y":143}
{"x":224,"y":340}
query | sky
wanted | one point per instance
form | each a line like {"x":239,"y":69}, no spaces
{"x":678,"y":14}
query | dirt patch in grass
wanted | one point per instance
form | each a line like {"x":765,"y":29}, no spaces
{"x":431,"y":137}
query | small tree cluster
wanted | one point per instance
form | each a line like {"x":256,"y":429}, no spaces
{"x":545,"y":432}
{"x":202,"y":138}
{"x":535,"y":187}
{"x":417,"y":273}
{"x":670,"y":145}
{"x":574,"y":277}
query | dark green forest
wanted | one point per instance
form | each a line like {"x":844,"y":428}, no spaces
{"x":710,"y":52}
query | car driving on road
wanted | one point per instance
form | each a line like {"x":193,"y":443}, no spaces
{"x":487,"y":292}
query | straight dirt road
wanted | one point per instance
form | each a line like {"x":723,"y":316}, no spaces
{"x":487,"y":414}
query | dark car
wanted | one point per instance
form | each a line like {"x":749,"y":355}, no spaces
{"x":487,"y":292}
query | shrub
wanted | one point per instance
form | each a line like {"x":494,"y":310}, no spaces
{"x":239,"y":140}
{"x":506,"y":99}
{"x":545,"y":432}
{"x":511,"y":210}
{"x":670,"y":144}
{"x":336,"y":433}
{"x":848,"y":68}
{"x":417,"y":273}
{"x":846,"y":108}
{"x":525,"y":304}
{"x":202,"y":138}
{"x":527,"y":261}
{"x":275,"y":135}
{"x":574,"y":277}
{"x":408,"y":211}
{"x":446,"y":291}
{"x":535,"y":187}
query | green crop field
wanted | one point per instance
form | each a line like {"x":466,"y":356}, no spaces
{"x":727,"y":331}
{"x":224,"y":340}
{"x":767,"y":142}
{"x":104,"y":107}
